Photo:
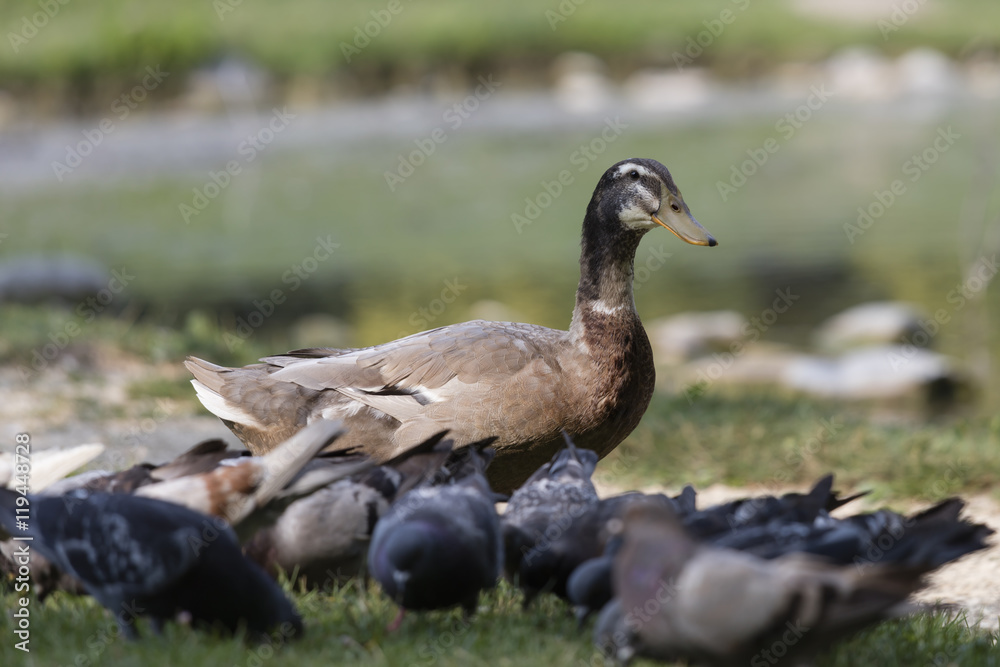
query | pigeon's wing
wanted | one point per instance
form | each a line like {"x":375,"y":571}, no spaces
{"x":124,"y":547}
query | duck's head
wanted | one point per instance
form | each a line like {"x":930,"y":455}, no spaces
{"x":640,"y":194}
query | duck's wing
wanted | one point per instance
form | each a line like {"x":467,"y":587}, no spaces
{"x":403,"y":391}
{"x":401,"y":377}
{"x":423,"y":365}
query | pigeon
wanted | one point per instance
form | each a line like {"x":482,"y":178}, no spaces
{"x":250,"y":492}
{"x":245,"y":491}
{"x":549,"y":564}
{"x":770,"y":527}
{"x":323,"y":538}
{"x":791,"y":508}
{"x":48,"y":467}
{"x":541,"y":511}
{"x":439,"y":545}
{"x":203,"y":457}
{"x":588,"y":588}
{"x":145,"y":557}
{"x":681,"y":599}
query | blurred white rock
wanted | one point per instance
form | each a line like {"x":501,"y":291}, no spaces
{"x":681,"y":337}
{"x":667,"y":89}
{"x":581,"y":82}
{"x":879,"y":372}
{"x":869,"y":323}
{"x":862,"y":73}
{"x":231,"y":84}
{"x":925,"y":71}
{"x":757,"y":364}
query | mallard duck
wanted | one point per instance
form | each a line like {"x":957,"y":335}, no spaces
{"x":522,"y":383}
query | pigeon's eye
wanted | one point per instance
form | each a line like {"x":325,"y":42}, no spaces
{"x":634,"y":175}
{"x":675,"y":207}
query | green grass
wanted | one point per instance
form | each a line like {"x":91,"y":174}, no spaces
{"x":89,"y":46}
{"x":772,"y":441}
{"x":347,"y":626}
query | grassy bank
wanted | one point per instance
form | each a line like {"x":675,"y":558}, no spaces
{"x":348,"y":627}
{"x":87,"y":46}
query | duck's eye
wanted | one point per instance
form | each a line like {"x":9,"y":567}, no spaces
{"x":634,"y":175}
{"x":675,"y":207}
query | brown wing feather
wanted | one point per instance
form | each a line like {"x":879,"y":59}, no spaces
{"x":471,"y":352}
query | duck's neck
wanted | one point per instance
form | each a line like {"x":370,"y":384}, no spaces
{"x":606,"y":272}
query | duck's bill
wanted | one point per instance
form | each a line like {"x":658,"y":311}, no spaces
{"x":683,"y":225}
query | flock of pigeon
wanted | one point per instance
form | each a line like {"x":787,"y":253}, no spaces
{"x":202,"y":538}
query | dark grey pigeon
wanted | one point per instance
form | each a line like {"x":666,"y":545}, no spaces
{"x":589,"y":586}
{"x":146,"y":557}
{"x":439,"y":545}
{"x":791,"y":508}
{"x":548,"y":565}
{"x":540,"y":513}
{"x":323,"y":539}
